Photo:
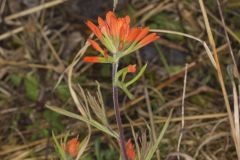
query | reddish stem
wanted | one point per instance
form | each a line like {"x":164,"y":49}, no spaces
{"x":117,"y":112}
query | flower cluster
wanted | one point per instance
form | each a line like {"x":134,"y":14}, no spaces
{"x":117,"y":37}
{"x":71,"y":147}
{"x":130,"y":150}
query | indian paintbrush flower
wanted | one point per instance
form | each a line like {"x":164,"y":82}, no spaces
{"x":130,"y":150}
{"x":117,"y":37}
{"x":71,"y":147}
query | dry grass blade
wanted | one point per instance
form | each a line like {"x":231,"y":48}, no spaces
{"x":236,"y":113}
{"x":183,"y":155}
{"x":152,"y":123}
{"x":235,"y":104}
{"x":53,"y":50}
{"x":2,"y":7}
{"x":135,"y":141}
{"x":183,"y":100}
{"x":10,"y":33}
{"x":179,"y":119}
{"x":209,"y":53}
{"x":23,"y":64}
{"x":145,"y":146}
{"x":149,"y":107}
{"x":231,"y":33}
{"x":34,"y":9}
{"x":228,"y":40}
{"x":29,"y":145}
{"x":69,"y":69}
{"x":144,"y":10}
{"x":220,"y":76}
{"x":25,"y":154}
{"x":208,"y":140}
{"x":70,"y":72}
{"x":115,"y":2}
{"x":160,"y":7}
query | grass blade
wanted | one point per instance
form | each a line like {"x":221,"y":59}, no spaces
{"x":155,"y":146}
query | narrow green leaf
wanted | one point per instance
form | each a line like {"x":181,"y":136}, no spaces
{"x":129,"y":94}
{"x":121,"y":72}
{"x":58,"y":147}
{"x":124,"y":76}
{"x":66,"y":137}
{"x":137,"y":76}
{"x":155,"y":146}
{"x":124,"y":88}
{"x":97,"y":148}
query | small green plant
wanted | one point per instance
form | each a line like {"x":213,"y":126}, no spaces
{"x":116,"y":35}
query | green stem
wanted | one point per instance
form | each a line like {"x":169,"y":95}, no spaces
{"x":117,"y":112}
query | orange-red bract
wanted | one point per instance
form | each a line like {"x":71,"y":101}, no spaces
{"x":130,"y":150}
{"x":94,"y":29}
{"x":71,"y":147}
{"x":92,"y":59}
{"x":117,"y":36}
{"x":95,"y":45}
